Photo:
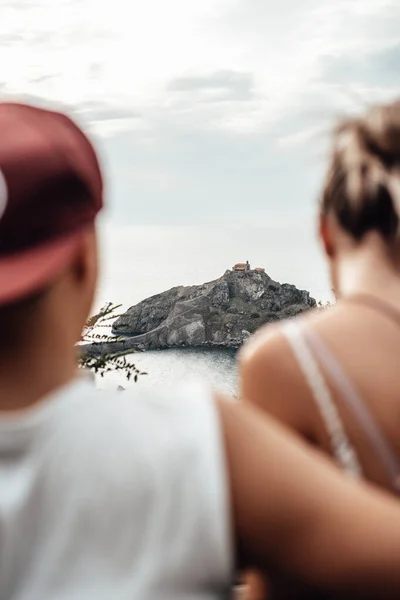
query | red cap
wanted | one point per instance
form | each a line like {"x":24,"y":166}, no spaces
{"x":50,"y":191}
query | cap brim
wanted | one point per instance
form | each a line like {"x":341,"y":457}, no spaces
{"x":25,"y":273}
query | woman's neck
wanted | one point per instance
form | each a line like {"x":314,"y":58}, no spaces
{"x":367,"y":268}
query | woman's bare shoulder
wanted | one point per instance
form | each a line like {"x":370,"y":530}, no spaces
{"x":271,"y":378}
{"x":267,"y":345}
{"x":265,"y":340}
{"x":270,"y":337}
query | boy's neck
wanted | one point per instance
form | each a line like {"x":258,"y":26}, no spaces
{"x":37,"y":370}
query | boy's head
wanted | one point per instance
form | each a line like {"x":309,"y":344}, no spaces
{"x":50,"y":193}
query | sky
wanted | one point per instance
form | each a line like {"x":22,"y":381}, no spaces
{"x":203,"y":112}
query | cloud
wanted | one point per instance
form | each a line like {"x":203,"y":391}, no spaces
{"x":208,"y":111}
{"x":379,"y":68}
{"x":169,"y":174}
{"x":225,"y":84}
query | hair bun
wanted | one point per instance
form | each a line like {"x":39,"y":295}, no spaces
{"x":363,"y":186}
{"x":382,"y":132}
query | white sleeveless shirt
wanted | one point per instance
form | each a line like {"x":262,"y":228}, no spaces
{"x":109,"y":496}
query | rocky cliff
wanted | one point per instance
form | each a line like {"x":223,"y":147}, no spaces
{"x":224,"y":312}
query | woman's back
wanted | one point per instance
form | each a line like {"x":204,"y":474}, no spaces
{"x":355,"y":351}
{"x":366,"y":345}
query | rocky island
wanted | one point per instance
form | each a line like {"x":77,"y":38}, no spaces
{"x":221,"y":313}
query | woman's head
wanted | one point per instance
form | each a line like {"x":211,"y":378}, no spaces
{"x":361,"y":195}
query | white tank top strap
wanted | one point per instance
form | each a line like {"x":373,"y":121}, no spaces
{"x":340,"y":443}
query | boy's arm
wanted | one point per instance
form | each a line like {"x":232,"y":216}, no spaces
{"x":296,"y":514}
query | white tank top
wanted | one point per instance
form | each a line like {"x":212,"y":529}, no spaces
{"x":109,"y":496}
